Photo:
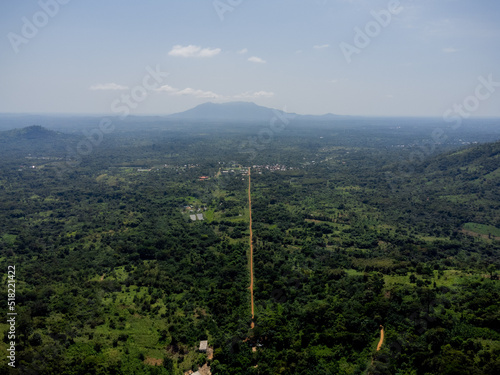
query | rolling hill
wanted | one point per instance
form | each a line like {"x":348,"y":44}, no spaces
{"x":34,"y":139}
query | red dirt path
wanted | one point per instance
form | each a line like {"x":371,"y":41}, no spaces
{"x":251,"y":246}
{"x":381,"y":338}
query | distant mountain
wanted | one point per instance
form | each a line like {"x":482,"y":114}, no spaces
{"x":241,"y":112}
{"x":30,"y":132}
{"x":33,"y":139}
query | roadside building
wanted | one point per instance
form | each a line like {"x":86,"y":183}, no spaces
{"x":203,"y":346}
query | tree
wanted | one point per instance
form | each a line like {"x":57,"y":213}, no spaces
{"x":168,"y":363}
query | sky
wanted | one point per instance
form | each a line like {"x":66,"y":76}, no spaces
{"x":348,"y":57}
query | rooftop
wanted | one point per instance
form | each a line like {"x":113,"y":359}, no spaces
{"x":203,"y":345}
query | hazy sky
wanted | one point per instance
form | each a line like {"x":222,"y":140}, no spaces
{"x":357,"y":57}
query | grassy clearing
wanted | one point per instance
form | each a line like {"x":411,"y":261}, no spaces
{"x":9,"y":239}
{"x":448,"y":278}
{"x":432,"y":238}
{"x":210,"y":215}
{"x":142,"y":331}
{"x":353,"y":272}
{"x":378,"y":263}
{"x":482,"y":229}
{"x":118,"y":274}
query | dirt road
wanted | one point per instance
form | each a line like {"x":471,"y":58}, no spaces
{"x":381,"y":338}
{"x":379,"y":345}
{"x":251,"y":246}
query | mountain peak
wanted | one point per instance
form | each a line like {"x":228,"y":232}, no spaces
{"x":240,"y":112}
{"x":32,"y":132}
{"x":33,"y":139}
{"x":231,"y":111}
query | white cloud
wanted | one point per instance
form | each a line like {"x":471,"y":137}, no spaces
{"x":207,"y":52}
{"x":265,"y":94}
{"x":323,"y":46}
{"x":188,"y":51}
{"x":254,"y":95}
{"x":193,"y":51}
{"x":256,"y":59}
{"x":167,"y":88}
{"x":450,"y":50}
{"x":242,"y":51}
{"x":197,"y":93}
{"x":108,"y":86}
{"x":187,"y":91}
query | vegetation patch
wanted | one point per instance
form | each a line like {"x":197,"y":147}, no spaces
{"x":483,"y":229}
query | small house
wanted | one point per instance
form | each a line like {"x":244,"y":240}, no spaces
{"x":203,"y":346}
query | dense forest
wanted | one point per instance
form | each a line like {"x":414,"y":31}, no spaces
{"x":129,"y":255}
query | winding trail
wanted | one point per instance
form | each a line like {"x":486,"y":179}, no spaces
{"x":381,"y":338}
{"x":379,"y":345}
{"x":251,"y":247}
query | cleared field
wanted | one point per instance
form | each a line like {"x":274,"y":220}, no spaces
{"x":482,"y":229}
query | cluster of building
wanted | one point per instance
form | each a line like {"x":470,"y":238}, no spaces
{"x":240,"y":171}
{"x":272,"y":167}
{"x":195,"y":214}
{"x":43,"y":157}
{"x":195,"y":217}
